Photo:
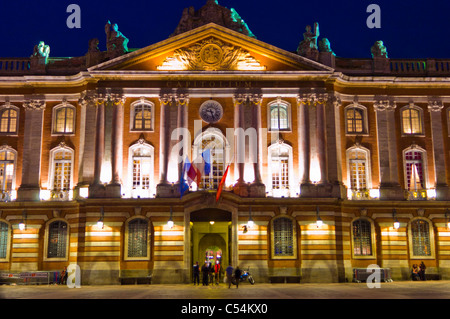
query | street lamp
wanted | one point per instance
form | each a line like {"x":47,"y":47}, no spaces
{"x":22,"y":224}
{"x":170,"y":222}
{"x":100,"y":221}
{"x":319,"y":221}
{"x":250,"y":222}
{"x":396,"y":222}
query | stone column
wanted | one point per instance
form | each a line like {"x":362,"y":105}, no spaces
{"x":88,"y":104}
{"x":182,"y":102}
{"x":164,"y":188}
{"x":390,"y":188}
{"x":442,"y":188}
{"x":321,"y":100}
{"x":257,"y":188}
{"x":99,"y":140}
{"x":117,"y":140}
{"x":303,"y":102}
{"x":240,"y":101}
{"x":29,"y":189}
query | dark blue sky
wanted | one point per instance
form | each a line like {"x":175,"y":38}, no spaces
{"x":409,"y":29}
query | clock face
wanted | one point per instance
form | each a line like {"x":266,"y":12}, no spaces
{"x":211,"y":111}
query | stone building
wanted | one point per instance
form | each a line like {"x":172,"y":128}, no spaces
{"x":306,"y":136}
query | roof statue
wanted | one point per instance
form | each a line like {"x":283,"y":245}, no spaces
{"x":378,"y":50}
{"x":309,"y":42}
{"x":41,"y":51}
{"x":212,"y":12}
{"x":325,"y":46}
{"x":116,"y":42}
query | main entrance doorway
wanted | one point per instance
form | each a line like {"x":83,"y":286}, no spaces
{"x":211,"y":237}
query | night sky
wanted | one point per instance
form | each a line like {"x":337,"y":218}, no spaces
{"x":409,"y":29}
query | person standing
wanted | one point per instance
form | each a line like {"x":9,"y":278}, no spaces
{"x":196,"y":272}
{"x":217,"y":269}
{"x":229,"y":273}
{"x":205,"y":273}
{"x":422,"y":271}
{"x":237,"y":276}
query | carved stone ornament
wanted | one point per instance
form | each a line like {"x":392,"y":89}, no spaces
{"x":179,"y":99}
{"x":210,"y":55}
{"x":384,"y":105}
{"x":312,"y":98}
{"x":88,"y":98}
{"x":34,"y":105}
{"x":247,"y":97}
{"x":435,"y":106}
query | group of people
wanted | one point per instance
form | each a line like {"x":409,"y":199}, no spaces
{"x":418,"y":272}
{"x":210,"y":273}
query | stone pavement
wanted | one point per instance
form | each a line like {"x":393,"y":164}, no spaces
{"x":260,"y":300}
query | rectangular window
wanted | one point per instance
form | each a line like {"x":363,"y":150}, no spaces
{"x":3,"y":240}
{"x":362,"y":238}
{"x":283,"y":237}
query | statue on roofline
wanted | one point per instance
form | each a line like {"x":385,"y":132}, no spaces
{"x":115,"y":40}
{"x":309,"y":42}
{"x":379,"y":50}
{"x":41,"y":50}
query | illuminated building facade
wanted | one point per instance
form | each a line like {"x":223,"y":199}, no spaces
{"x":356,"y":143}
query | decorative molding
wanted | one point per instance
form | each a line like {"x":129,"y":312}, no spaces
{"x":241,"y":98}
{"x":211,"y":55}
{"x":435,"y":106}
{"x":34,"y":105}
{"x":384,"y":104}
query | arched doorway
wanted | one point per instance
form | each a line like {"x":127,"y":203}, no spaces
{"x":211,"y":236}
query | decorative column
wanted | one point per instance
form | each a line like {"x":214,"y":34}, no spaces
{"x":303,"y":102}
{"x":117,"y":140}
{"x":442,"y":189}
{"x":182,"y":102}
{"x":29,"y":189}
{"x":257,"y":188}
{"x":88,"y":104}
{"x":390,"y":188}
{"x":240,"y":100}
{"x":320,"y":101}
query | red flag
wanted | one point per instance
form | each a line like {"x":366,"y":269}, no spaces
{"x":222,"y":181}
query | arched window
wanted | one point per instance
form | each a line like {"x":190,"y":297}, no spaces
{"x":412,"y":120}
{"x":4,"y":240}
{"x":355,"y":119}
{"x":61,"y":171}
{"x":141,"y":169}
{"x":280,"y":169}
{"x":420,"y":238}
{"x":137,"y":238}
{"x":283,"y":238}
{"x":57,"y":239}
{"x":279,"y":115}
{"x":7,"y":171}
{"x":142,"y":116}
{"x":415,"y":172}
{"x":362,"y":238}
{"x":358,"y":171}
{"x":8,"y":120}
{"x":213,"y":140}
{"x":64,"y":119}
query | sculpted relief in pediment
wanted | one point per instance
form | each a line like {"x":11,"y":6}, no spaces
{"x":210,"y":55}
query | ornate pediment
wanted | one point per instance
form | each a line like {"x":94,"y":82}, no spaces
{"x":211,"y":55}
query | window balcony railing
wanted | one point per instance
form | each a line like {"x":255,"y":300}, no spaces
{"x":60,"y":195}
{"x":360,"y":194}
{"x":420,"y":194}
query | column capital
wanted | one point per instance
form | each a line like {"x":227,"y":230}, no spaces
{"x":88,"y":98}
{"x":312,"y":98}
{"x":435,"y":106}
{"x":384,"y":104}
{"x":34,"y":105}
{"x":241,"y":98}
{"x":179,"y":99}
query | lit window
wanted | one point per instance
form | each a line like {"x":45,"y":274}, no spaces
{"x":283,"y":237}
{"x":279,"y":166}
{"x":8,"y":121}
{"x":61,"y":172}
{"x":142,"y":170}
{"x":4,"y":235}
{"x":7,"y":170}
{"x":362,"y":237}
{"x":64,"y":120}
{"x":420,"y":236}
{"x":358,"y":168}
{"x":57,"y":240}
{"x":412,"y":120}
{"x":142,"y":117}
{"x":414,"y":166}
{"x":355,"y":120}
{"x":279,"y":117}
{"x":137,"y":238}
{"x":216,"y":144}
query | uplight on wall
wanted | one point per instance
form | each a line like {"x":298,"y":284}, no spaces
{"x":100,"y":224}
{"x":447,"y":218}
{"x":22,"y":224}
{"x":319,"y":221}
{"x":170,"y":222}
{"x":250,"y":222}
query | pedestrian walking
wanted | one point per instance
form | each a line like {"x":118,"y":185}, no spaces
{"x":196,"y":273}
{"x":229,"y":274}
{"x":237,"y":276}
